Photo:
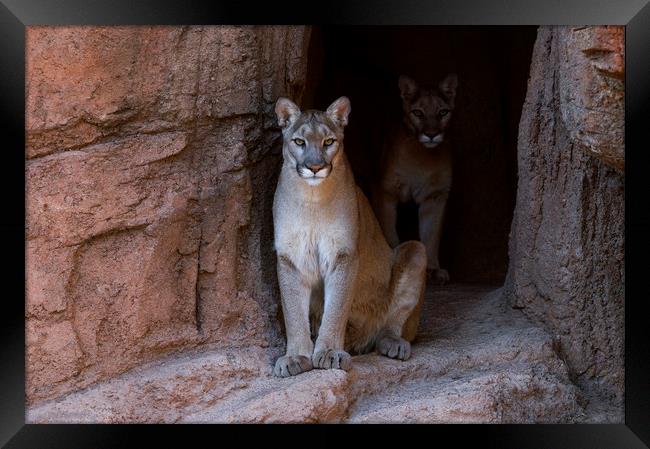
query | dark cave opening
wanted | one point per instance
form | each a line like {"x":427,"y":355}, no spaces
{"x":492,"y":65}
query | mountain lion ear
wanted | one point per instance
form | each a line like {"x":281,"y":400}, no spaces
{"x":287,"y":112}
{"x":448,"y":87}
{"x":339,"y":111}
{"x":407,"y":87}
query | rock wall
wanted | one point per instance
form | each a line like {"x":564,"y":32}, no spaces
{"x":567,"y":265}
{"x":147,"y":148}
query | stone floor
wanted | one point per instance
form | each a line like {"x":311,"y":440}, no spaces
{"x":475,"y":361}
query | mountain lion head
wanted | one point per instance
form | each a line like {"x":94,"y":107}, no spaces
{"x":427,"y":111}
{"x":312,"y":139}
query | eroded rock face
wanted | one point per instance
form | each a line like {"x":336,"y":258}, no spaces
{"x":592,"y":92}
{"x":145,"y":149}
{"x":567,"y":265}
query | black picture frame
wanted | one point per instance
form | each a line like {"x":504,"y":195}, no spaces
{"x":15,"y":15}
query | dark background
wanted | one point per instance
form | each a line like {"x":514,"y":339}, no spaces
{"x":492,"y":64}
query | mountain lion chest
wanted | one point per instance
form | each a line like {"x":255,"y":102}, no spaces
{"x":312,"y":237}
{"x":415,"y":173}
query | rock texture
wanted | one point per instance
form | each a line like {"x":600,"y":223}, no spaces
{"x":567,"y":264}
{"x":592,"y":93}
{"x":145,"y":148}
{"x":475,"y":361}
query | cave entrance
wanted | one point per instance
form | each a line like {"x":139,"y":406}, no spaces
{"x":492,"y":64}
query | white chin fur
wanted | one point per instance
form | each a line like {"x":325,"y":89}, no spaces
{"x":313,"y":181}
{"x":429,"y":144}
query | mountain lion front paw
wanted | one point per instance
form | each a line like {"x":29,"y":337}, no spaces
{"x":331,"y":359}
{"x":291,"y":365}
{"x":438,"y":277}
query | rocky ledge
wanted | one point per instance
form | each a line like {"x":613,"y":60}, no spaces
{"x":476,"y":360}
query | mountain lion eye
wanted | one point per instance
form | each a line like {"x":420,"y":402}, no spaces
{"x":443,"y":112}
{"x":328,"y":142}
{"x":417,"y":113}
{"x":299,"y":142}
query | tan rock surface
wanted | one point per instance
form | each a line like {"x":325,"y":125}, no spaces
{"x":476,"y":360}
{"x":567,"y":243}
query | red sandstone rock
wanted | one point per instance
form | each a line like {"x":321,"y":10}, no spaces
{"x":141,"y":238}
{"x":591,"y":63}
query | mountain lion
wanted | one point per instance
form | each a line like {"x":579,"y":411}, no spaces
{"x":340,"y":282}
{"x":416,"y":165}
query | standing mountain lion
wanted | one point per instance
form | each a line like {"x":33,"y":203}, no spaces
{"x":340,"y":282}
{"x":416,"y":165}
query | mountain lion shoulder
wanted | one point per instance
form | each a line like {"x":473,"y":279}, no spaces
{"x":343,"y":288}
{"x":416,"y":165}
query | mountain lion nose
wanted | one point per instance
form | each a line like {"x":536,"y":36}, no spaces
{"x":315,"y":167}
{"x":431,"y":135}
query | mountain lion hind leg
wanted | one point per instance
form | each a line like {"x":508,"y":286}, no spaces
{"x":403,"y":316}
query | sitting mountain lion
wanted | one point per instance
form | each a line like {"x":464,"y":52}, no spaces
{"x":335,"y":269}
{"x":416,"y":165}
